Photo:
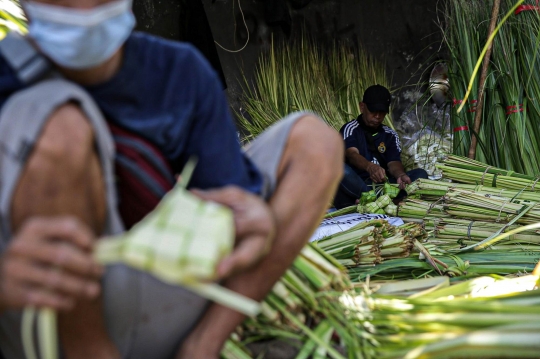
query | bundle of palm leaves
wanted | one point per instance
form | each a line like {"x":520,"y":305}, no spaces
{"x":300,"y":76}
{"x":510,"y":128}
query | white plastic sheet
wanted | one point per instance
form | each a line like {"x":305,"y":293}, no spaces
{"x":342,"y":223}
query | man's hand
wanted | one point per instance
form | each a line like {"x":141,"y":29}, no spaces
{"x":403,"y":181}
{"x":49,"y":264}
{"x":255,"y":228}
{"x":376,"y":172}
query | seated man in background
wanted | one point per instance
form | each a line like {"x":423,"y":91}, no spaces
{"x":372,"y":150}
{"x":93,"y":86}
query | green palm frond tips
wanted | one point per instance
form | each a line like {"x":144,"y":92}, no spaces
{"x":300,"y":76}
{"x":11,"y":18}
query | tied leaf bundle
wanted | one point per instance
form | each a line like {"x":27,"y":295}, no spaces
{"x":471,"y":204}
{"x":480,"y":318}
{"x":451,"y":233}
{"x":509,"y":134}
{"x":415,"y":209}
{"x":430,"y":318}
{"x":371,"y":242}
{"x":458,"y":266}
{"x":464,"y":170}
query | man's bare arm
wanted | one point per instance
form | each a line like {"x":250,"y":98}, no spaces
{"x":398,"y":172}
{"x":376,"y":172}
{"x":308,"y":176}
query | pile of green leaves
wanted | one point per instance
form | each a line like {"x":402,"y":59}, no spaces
{"x":510,"y":131}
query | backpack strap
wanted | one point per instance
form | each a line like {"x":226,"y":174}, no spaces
{"x":29,"y":65}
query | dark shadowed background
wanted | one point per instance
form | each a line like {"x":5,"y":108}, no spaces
{"x":404,"y":34}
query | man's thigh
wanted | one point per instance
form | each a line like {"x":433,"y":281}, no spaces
{"x":22,"y":120}
{"x":352,"y":183}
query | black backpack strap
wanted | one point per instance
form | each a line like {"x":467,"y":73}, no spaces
{"x":29,"y":65}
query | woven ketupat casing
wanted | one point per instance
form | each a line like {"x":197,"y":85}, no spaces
{"x":368,"y":197}
{"x":391,"y":210}
{"x":383,"y":201}
{"x":181,"y":241}
{"x":390,"y":190}
{"x":371,"y":207}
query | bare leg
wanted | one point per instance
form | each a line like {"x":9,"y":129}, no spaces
{"x":63,"y":177}
{"x":309,"y":173}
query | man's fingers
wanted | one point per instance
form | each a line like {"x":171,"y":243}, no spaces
{"x":37,"y":297}
{"x":65,"y":228}
{"x":251,"y":214}
{"x":52,"y":279}
{"x":378,"y":174}
{"x":247,"y":254}
{"x":64,"y":256}
{"x":42,"y":299}
{"x":378,"y":177}
{"x":254,"y":224}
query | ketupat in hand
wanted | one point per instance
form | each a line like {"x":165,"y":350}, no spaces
{"x":181,"y":242}
{"x":255,"y":228}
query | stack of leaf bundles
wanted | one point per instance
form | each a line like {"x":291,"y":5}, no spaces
{"x":371,"y":242}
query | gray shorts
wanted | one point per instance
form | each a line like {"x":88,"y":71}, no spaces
{"x":145,"y":318}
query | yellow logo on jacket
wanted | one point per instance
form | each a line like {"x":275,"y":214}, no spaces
{"x":382,"y":148}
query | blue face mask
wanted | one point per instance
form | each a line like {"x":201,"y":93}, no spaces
{"x":80,"y":39}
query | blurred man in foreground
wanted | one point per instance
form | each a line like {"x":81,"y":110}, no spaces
{"x":95,"y":100}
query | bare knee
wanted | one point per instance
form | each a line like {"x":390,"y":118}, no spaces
{"x":315,"y":142}
{"x":66,"y":140}
{"x":62,"y":175}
